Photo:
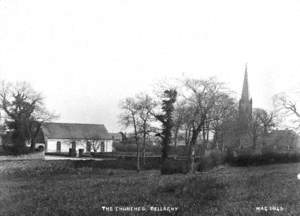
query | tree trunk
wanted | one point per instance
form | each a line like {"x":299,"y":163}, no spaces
{"x":35,"y":134}
{"x":187,"y":136}
{"x":138,"y":168}
{"x":254,"y":141}
{"x":191,"y":161}
{"x":216,"y":140}
{"x":222,"y":141}
{"x":192,"y":152}
{"x":164,"y":152}
{"x":175,"y":137}
{"x":137,"y":145}
{"x":264,"y":136}
{"x":207,"y":135}
{"x":144,"y":149}
{"x":203,"y":133}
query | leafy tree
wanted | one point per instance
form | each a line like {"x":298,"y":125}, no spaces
{"x":166,"y":119}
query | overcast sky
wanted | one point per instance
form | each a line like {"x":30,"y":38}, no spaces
{"x":84,"y":56}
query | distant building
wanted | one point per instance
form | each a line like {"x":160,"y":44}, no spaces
{"x":116,"y":137}
{"x":60,"y":137}
{"x":282,"y":141}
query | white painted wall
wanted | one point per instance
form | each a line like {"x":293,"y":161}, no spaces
{"x":109,"y":145}
{"x":66,"y":144}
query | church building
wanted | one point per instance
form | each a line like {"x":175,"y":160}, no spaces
{"x":245,"y":114}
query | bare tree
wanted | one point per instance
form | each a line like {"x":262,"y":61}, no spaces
{"x":284,"y":102}
{"x":227,"y":133}
{"x":25,"y":112}
{"x":262,"y":123}
{"x":129,"y":118}
{"x":202,"y":97}
{"x":223,"y":112}
{"x":268,"y":122}
{"x":95,"y":142}
{"x":179,"y":119}
{"x":145,"y":106}
{"x":187,"y":124}
{"x":286,"y":107}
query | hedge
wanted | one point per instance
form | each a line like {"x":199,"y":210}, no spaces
{"x":262,"y":159}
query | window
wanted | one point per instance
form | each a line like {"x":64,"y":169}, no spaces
{"x":102,"y":147}
{"x":73,"y":145}
{"x":88,"y":146}
{"x":58,"y":146}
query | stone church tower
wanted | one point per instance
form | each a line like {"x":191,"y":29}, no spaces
{"x":245,"y":114}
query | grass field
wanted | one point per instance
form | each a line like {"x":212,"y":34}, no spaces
{"x":57,"y":188}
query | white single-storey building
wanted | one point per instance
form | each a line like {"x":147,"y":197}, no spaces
{"x":60,"y":137}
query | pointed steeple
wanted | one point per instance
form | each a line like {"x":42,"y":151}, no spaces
{"x":245,"y":114}
{"x":245,"y":92}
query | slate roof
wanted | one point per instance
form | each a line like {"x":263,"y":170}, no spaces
{"x":53,"y":130}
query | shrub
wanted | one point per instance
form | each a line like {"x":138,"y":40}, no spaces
{"x":263,"y":159}
{"x":215,"y":158}
{"x":131,"y":147}
{"x":13,"y":145}
{"x":16,"y":150}
{"x":119,"y":147}
{"x":205,"y":163}
{"x":156,"y":150}
{"x":151,"y":163}
{"x":218,"y":157}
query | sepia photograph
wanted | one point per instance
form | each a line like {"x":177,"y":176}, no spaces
{"x":162,"y":107}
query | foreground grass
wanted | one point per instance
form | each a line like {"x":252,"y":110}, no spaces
{"x":58,"y":188}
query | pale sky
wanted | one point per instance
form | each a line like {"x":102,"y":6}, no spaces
{"x":85,"y":56}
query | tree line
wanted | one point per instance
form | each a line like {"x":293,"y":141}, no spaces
{"x":203,"y":110}
{"x":197,"y":108}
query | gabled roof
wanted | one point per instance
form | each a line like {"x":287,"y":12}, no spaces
{"x":54,"y":130}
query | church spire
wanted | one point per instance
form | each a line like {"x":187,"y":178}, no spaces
{"x":245,"y":92}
